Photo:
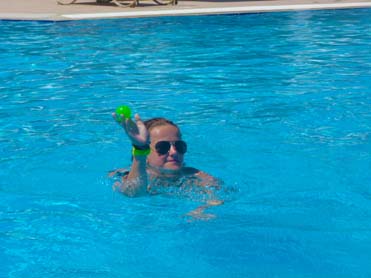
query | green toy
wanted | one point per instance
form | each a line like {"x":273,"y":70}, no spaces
{"x":123,"y":112}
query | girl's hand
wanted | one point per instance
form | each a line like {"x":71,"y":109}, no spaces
{"x":136,"y":131}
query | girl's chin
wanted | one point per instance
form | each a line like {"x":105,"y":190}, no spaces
{"x":173,"y":165}
{"x":168,"y":167}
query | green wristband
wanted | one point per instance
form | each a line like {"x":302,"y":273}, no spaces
{"x":144,"y":152}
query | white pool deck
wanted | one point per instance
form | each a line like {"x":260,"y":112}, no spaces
{"x":89,"y":9}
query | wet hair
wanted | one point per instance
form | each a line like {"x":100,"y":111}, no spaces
{"x":154,"y":122}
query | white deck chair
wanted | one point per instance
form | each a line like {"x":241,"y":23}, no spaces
{"x":122,"y":3}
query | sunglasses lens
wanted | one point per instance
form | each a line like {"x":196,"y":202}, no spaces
{"x":162,"y":147}
{"x":181,"y":146}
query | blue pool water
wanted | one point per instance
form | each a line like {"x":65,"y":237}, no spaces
{"x":277,"y":105}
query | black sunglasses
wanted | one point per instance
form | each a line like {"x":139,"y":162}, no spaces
{"x":163,"y":147}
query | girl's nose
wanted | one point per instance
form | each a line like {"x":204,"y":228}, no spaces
{"x":172,"y":149}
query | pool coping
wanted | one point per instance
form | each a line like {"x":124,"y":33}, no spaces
{"x":49,"y":10}
{"x":220,"y":10}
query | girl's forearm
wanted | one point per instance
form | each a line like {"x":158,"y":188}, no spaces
{"x":136,"y":182}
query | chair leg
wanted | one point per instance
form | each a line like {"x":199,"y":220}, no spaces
{"x":126,"y":3}
{"x":166,"y":2}
{"x":66,"y":2}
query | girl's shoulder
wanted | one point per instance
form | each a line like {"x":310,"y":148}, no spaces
{"x":121,"y":172}
{"x":190,"y":171}
{"x":204,"y":178}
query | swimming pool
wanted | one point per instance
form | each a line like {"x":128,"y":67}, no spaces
{"x":276,"y":105}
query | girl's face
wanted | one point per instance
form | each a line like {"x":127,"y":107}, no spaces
{"x":172,"y":160}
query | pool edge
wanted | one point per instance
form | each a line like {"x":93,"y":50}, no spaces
{"x":178,"y":11}
{"x":221,"y":10}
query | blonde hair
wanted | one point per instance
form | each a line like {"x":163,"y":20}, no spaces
{"x":154,"y":122}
